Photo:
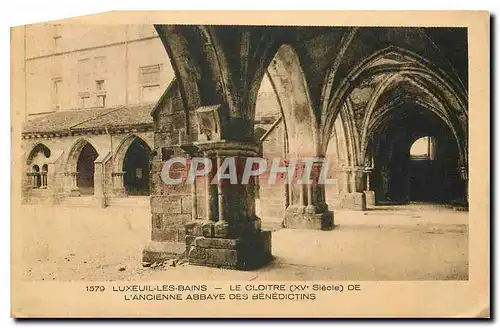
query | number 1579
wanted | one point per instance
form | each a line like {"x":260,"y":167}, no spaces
{"x":95,"y":288}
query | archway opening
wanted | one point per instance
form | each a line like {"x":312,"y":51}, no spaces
{"x":416,"y":159}
{"x":136,"y":168}
{"x":37,"y":181}
{"x":37,"y":166}
{"x":85,"y":169}
{"x":269,"y":132}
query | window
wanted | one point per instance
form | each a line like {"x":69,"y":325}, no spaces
{"x":150,"y":74}
{"x":150,"y":82}
{"x":423,"y":149}
{"x":150,"y":93}
{"x":35,"y":173}
{"x":84,"y":100}
{"x":99,"y":85}
{"x":56,"y":93}
{"x":45,"y":169}
{"x":101,"y":101}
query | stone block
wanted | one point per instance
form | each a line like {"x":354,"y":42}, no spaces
{"x":197,"y":252}
{"x":156,"y":203}
{"x":172,"y":205}
{"x":370,"y":197}
{"x":207,"y":229}
{"x":189,"y":240}
{"x":320,"y":221}
{"x":197,"y":256}
{"x":190,"y":228}
{"x":186,"y":205}
{"x":353,"y":201}
{"x":221,"y":257}
{"x":216,"y":243}
{"x":157,"y":221}
{"x":221,"y":229}
{"x":159,"y":251}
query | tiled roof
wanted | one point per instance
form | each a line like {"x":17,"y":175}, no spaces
{"x":89,"y":119}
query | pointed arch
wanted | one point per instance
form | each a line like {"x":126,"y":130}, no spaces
{"x":393,"y":63}
{"x":36,"y":149}
{"x":121,"y":150}
{"x":74,"y":154}
{"x":288,"y":81}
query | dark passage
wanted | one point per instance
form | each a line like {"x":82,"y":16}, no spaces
{"x":416,"y":159}
{"x":136,"y":168}
{"x":85,"y":169}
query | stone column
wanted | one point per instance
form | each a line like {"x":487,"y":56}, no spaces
{"x":210,"y":194}
{"x":99,"y":180}
{"x":356,"y":198}
{"x":369,"y":194}
{"x":313,"y":213}
{"x":74,"y":191}
{"x":235,"y":240}
{"x":465,"y":177}
{"x":118,"y":184}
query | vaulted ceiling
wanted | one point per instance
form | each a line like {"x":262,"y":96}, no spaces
{"x":319,"y":71}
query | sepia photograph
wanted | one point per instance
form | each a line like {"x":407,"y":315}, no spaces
{"x":301,"y":160}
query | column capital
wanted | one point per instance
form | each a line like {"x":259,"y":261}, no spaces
{"x":228,"y":148}
{"x":464,"y":172}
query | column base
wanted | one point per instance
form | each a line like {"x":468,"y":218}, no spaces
{"x":353,"y":201}
{"x":75,"y":193}
{"x":101,"y":201}
{"x":251,"y":252}
{"x":120,"y":192}
{"x":297,"y":217}
{"x":157,"y":251}
{"x":370,"y":197}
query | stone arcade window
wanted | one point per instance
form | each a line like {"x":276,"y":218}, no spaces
{"x":43,"y":175}
{"x":35,"y":173}
{"x":423,"y":149}
{"x":149,"y":79}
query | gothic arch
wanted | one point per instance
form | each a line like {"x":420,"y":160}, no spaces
{"x":392,"y":65}
{"x":288,"y":81}
{"x":37,"y":148}
{"x":121,"y":151}
{"x":74,"y":153}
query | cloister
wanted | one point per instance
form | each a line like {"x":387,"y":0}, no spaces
{"x":388,"y":107}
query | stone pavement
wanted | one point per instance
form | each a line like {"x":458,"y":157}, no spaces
{"x":388,"y":243}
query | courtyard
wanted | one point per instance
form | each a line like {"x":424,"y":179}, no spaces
{"x":412,"y":242}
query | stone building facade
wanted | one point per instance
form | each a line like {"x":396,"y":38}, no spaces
{"x":88,"y":129}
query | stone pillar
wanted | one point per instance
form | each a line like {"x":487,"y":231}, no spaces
{"x":99,"y":180}
{"x":465,"y":177}
{"x":118,"y":184}
{"x":210,"y":194}
{"x":369,"y":194}
{"x":356,"y":198}
{"x":235,"y":240}
{"x":312,"y":212}
{"x":74,"y":191}
{"x":51,"y":182}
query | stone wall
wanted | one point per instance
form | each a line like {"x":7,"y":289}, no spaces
{"x":171,"y":204}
